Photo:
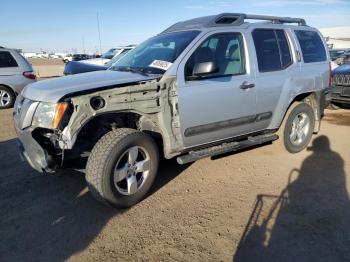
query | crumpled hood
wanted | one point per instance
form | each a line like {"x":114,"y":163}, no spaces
{"x":54,"y":89}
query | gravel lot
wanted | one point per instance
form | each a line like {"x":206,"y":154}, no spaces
{"x":46,"y":68}
{"x":258,"y":205}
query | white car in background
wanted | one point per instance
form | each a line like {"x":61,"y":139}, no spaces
{"x":29,"y":55}
{"x":67,"y":58}
{"x":106,"y":57}
{"x":15,"y":73}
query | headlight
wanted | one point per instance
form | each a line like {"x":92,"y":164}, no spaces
{"x":49,"y":115}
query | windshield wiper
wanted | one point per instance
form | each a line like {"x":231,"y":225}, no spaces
{"x":132,"y":70}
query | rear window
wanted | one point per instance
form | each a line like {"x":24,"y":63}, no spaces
{"x":272,"y":49}
{"x":6,"y":60}
{"x":311,"y":46}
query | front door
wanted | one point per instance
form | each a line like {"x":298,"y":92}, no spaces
{"x":221,"y":104}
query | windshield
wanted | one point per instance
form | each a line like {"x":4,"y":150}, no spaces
{"x":155,"y":55}
{"x":117,"y":57}
{"x":110,"y":53}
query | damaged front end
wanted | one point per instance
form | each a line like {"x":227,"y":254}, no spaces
{"x":150,"y":106}
{"x":38,"y":126}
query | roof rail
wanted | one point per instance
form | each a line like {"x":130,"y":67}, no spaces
{"x":229,"y":19}
{"x":233,"y":19}
{"x":277,"y":19}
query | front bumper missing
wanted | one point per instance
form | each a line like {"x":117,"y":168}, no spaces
{"x":31,"y":151}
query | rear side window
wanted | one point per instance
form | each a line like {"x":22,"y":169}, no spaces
{"x":6,"y":60}
{"x":272,"y":49}
{"x":311,"y":46}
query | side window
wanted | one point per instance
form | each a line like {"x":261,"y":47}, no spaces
{"x":286,"y":58}
{"x":311,"y":45}
{"x":272,"y":49}
{"x":225,"y":50}
{"x":6,"y":60}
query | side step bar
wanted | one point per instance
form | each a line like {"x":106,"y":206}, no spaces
{"x":225,"y":148}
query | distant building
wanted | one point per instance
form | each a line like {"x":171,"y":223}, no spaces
{"x":337,"y":37}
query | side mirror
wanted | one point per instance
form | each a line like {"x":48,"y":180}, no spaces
{"x":203,"y":69}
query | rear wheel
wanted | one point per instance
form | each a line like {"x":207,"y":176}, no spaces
{"x":122,"y":167}
{"x":7,"y":97}
{"x":297,"y":127}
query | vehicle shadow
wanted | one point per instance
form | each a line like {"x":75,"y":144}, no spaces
{"x":51,"y":217}
{"x":168,"y":170}
{"x":308,"y":221}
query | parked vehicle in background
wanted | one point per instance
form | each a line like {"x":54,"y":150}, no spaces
{"x":15,"y":73}
{"x":72,"y":68}
{"x":67,"y":58}
{"x":203,"y":87}
{"x":77,"y":67}
{"x":341,"y":85}
{"x":29,"y":55}
{"x":106,"y":57}
{"x":80,"y":57}
{"x":76,"y":57}
{"x":343,"y":59}
{"x":336,"y":53}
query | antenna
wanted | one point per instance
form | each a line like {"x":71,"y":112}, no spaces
{"x":99,"y":33}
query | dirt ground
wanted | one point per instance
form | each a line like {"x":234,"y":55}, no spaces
{"x":45,"y":61}
{"x":258,"y":205}
{"x":46,"y":68}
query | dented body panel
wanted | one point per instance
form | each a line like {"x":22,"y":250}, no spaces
{"x":154,"y":101}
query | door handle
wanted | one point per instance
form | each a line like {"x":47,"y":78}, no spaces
{"x":246,"y":85}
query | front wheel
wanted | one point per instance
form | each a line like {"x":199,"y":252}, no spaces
{"x":122,"y":167}
{"x":297,"y":127}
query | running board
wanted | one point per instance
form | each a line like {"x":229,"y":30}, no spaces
{"x":225,"y":148}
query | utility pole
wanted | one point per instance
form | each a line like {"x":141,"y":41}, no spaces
{"x":99,"y":32}
{"x":83,"y":42}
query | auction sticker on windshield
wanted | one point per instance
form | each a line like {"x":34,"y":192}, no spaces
{"x":161,"y":64}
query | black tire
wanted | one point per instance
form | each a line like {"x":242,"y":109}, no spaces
{"x":109,"y":151}
{"x":296,"y":109}
{"x":10,"y":95}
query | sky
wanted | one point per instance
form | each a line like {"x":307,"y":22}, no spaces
{"x":65,"y":25}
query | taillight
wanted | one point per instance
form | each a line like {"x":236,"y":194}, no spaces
{"x":29,"y":75}
{"x":330,"y":75}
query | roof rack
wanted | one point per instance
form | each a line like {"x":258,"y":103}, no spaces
{"x":230,"y":19}
{"x":278,"y":19}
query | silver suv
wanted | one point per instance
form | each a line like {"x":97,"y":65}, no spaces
{"x":201,"y":88}
{"x":15,"y":73}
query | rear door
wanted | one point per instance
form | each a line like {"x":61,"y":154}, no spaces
{"x":276,"y":70}
{"x":219,"y":105}
{"x":314,"y":58}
